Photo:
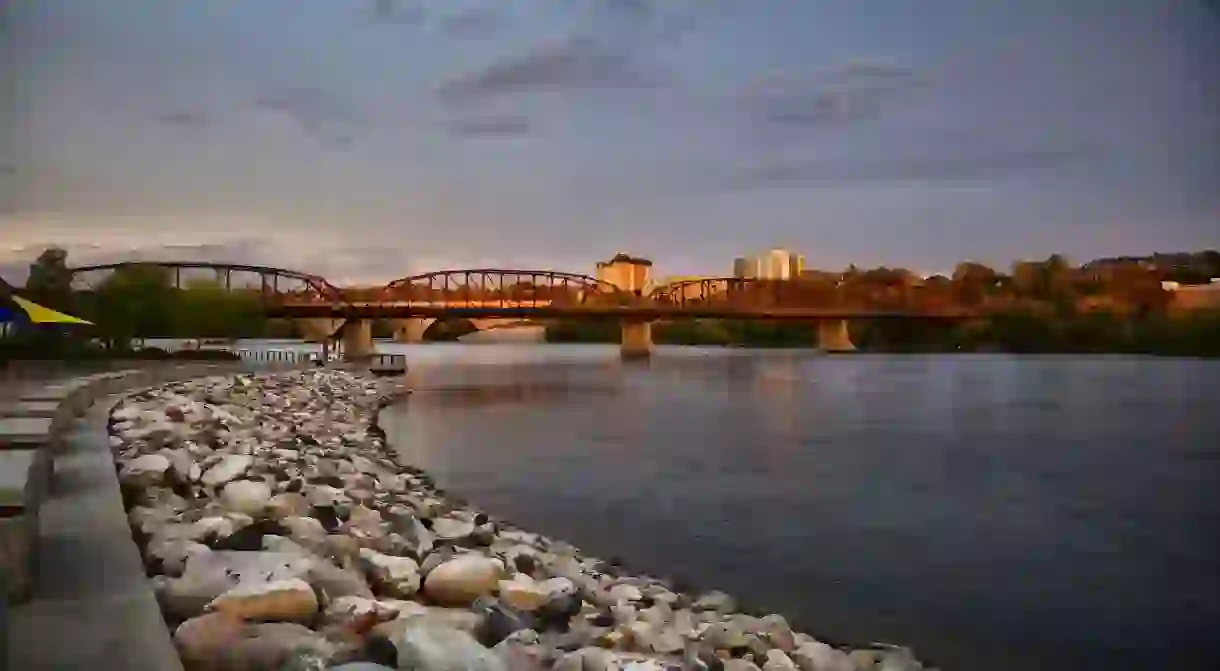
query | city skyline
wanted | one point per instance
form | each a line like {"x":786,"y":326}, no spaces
{"x":368,"y":140}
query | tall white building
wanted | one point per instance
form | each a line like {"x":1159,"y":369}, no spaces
{"x":775,"y":264}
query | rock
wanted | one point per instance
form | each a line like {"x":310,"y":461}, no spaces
{"x":898,"y":660}
{"x":272,"y":645}
{"x":462,"y":579}
{"x":394,"y":576}
{"x":144,"y":471}
{"x":865,"y":659}
{"x":208,"y":575}
{"x":276,"y":543}
{"x":777,"y":631}
{"x":345,"y":610}
{"x":518,"y":656}
{"x":287,"y":504}
{"x":524,"y":593}
{"x":437,"y":648}
{"x":169,"y":556}
{"x":717,"y":601}
{"x":229,"y":468}
{"x":361,"y":666}
{"x":817,"y":656}
{"x":335,"y":583}
{"x":290,"y":600}
{"x":249,"y":497}
{"x":625,"y":592}
{"x":778,"y":661}
{"x":202,"y":640}
{"x":498,"y":621}
{"x":452,"y":528}
{"x":305,"y":530}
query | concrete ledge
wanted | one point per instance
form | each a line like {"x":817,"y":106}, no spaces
{"x":70,"y":569}
{"x":32,"y":433}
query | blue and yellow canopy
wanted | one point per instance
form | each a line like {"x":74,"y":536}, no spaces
{"x":14,"y":308}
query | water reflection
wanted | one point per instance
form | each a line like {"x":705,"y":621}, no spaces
{"x":1006,"y":500}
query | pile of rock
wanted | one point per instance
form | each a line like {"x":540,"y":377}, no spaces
{"x":281,"y":535}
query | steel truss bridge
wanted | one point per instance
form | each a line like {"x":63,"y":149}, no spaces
{"x":525,"y":294}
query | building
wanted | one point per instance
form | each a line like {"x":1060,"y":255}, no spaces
{"x":626,"y":272}
{"x":775,"y":264}
{"x":743,"y":267}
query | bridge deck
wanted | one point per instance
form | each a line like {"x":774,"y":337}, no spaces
{"x":539,"y":310}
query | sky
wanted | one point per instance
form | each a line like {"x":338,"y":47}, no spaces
{"x":366,"y":140}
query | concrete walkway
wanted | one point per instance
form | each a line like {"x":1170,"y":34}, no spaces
{"x":93,"y":607}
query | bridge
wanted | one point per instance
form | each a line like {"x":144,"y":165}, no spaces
{"x":491,"y":297}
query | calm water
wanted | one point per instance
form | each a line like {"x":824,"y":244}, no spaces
{"x":992,"y":512}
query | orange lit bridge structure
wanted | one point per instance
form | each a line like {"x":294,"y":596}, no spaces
{"x":491,"y":296}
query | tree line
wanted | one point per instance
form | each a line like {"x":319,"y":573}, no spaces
{"x":1108,"y":305}
{"x":133,"y":303}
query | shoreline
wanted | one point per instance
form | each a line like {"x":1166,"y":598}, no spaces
{"x":281,"y":530}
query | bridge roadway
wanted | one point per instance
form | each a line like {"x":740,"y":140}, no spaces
{"x":642,"y":311}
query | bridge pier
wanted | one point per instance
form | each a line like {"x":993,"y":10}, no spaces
{"x":636,"y":340}
{"x":834,"y":337}
{"x":411,"y":330}
{"x":358,"y":339}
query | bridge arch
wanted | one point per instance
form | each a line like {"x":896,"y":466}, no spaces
{"x":499,"y":285}
{"x":316,"y":287}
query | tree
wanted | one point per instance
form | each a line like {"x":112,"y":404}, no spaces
{"x":205,"y":309}
{"x":50,"y":280}
{"x":135,"y":301}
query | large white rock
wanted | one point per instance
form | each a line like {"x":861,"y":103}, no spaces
{"x":778,"y":661}
{"x":526,"y":594}
{"x":452,"y":528}
{"x":304,"y":530}
{"x":462,"y":579}
{"x":394,"y":576}
{"x":230,"y":467}
{"x":249,"y":497}
{"x":290,"y":600}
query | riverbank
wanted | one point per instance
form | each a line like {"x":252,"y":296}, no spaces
{"x":280,"y":532}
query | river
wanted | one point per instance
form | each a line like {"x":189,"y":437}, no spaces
{"x":993,"y":512}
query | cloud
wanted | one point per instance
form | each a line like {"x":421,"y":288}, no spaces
{"x":319,"y":113}
{"x":949,"y":168}
{"x":478,"y":22}
{"x":491,"y":126}
{"x":641,"y":22}
{"x":848,"y":94}
{"x":183,"y":119}
{"x":571,"y":65}
{"x":397,"y":12}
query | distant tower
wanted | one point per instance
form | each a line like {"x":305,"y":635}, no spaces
{"x":741,"y":267}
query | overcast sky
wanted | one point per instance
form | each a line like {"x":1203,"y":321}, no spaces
{"x":367,"y":139}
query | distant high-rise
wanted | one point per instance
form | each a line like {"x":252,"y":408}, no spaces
{"x":745,"y":267}
{"x":775,"y":264}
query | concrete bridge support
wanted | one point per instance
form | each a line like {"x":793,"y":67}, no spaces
{"x":411,"y":330}
{"x":358,"y":339}
{"x":320,"y":329}
{"x":834,"y":337}
{"x":636,"y":340}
